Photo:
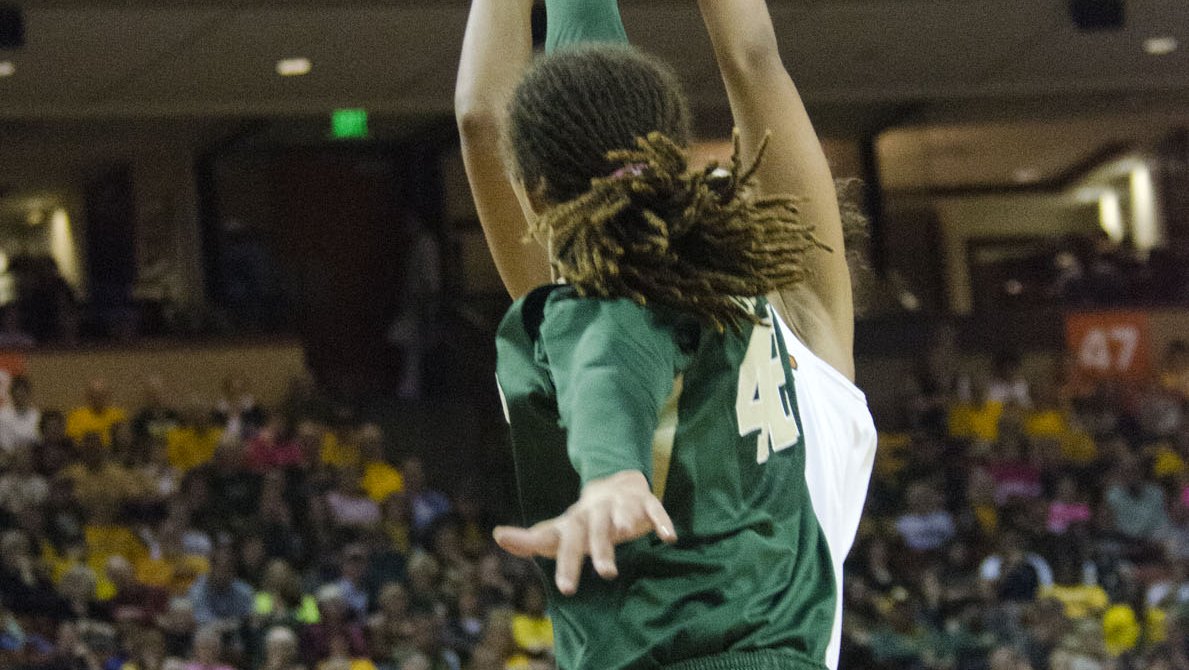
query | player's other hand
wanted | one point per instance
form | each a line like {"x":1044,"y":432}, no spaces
{"x":611,"y":511}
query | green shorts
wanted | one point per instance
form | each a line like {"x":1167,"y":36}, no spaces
{"x":760,"y":659}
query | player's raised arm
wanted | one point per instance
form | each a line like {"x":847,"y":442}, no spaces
{"x":496,"y":50}
{"x":764,"y":100}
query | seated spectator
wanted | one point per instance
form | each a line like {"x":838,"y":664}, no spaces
{"x":167,"y":564}
{"x":208,"y":650}
{"x":146,"y":650}
{"x":1174,"y":369}
{"x":78,"y":589}
{"x":927,"y":526}
{"x":22,"y":489}
{"x":350,"y":506}
{"x":335,"y":624}
{"x":977,"y":419}
{"x":425,"y":575}
{"x":105,"y":537}
{"x":1012,"y":468}
{"x":156,"y":416}
{"x":531,"y":628}
{"x":1069,"y":507}
{"x":425,"y":641}
{"x":20,"y":421}
{"x":388,"y":627}
{"x":25,"y":587}
{"x":133,"y":601}
{"x":339,"y":449}
{"x":237,"y":411}
{"x":193,"y":442}
{"x":353,"y":582}
{"x":98,"y":416}
{"x":341,"y":657}
{"x":98,"y":481}
{"x":56,"y":449}
{"x":1014,"y":574}
{"x":1136,"y":506}
{"x":281,"y":599}
{"x":218,"y":596}
{"x":465,"y":626}
{"x":428,"y":505}
{"x":281,"y":651}
{"x":396,"y":521}
{"x":178,"y":627}
{"x":234,"y":490}
{"x":1007,"y":385}
{"x":379,"y":480}
{"x":274,"y":446}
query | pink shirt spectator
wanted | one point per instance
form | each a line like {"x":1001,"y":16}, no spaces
{"x":1062,"y":515}
{"x":265,"y":453}
{"x":1015,"y":480}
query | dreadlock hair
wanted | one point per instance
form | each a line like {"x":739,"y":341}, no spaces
{"x":602,"y":134}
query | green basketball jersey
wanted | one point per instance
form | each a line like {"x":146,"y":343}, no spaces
{"x":592,"y":387}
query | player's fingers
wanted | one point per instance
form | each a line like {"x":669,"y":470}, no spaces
{"x":540,"y":540}
{"x":601,"y":543}
{"x":571,"y":553}
{"x":629,"y":521}
{"x":661,"y":522}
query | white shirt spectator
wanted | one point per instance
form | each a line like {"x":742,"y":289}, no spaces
{"x":19,"y":428}
{"x":926,"y":532}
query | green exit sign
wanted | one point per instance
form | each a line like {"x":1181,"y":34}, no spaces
{"x":348,"y":123}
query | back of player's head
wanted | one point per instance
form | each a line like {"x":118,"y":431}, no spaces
{"x":576,"y":105}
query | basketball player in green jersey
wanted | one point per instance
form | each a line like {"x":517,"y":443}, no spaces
{"x":666,"y":422}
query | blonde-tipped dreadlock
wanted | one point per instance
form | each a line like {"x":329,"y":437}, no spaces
{"x":695,"y":240}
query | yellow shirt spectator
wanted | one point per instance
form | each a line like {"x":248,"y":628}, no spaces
{"x":533,"y":634}
{"x":104,"y":486}
{"x":976,"y":422}
{"x":1167,"y":463}
{"x":189,"y":447}
{"x":381,"y":480}
{"x":87,"y":419}
{"x":1046,"y":423}
{"x":173,"y":573}
{"x":339,"y":453}
{"x":1078,"y":448}
{"x":1080,"y":600}
{"x":1120,"y":629}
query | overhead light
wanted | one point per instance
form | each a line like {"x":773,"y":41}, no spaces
{"x":7,"y":68}
{"x":1027,"y":175}
{"x":1160,"y":46}
{"x":294,"y":67}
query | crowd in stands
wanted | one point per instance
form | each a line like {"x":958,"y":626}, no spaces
{"x":1013,"y":524}
{"x":1026,"y":524}
{"x":216,"y":535}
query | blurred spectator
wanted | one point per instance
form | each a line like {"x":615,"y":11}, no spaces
{"x":193,"y":442}
{"x":334,"y":629}
{"x":22,"y":489}
{"x":274,"y":446}
{"x":927,"y":526}
{"x":133,"y":601}
{"x":98,"y":416}
{"x":20,"y":421}
{"x":1014,"y":574}
{"x":281,"y":650}
{"x":1007,"y":385}
{"x":156,"y":416}
{"x":237,"y":410}
{"x":1136,"y":506}
{"x":218,"y":596}
{"x":379,"y":480}
{"x":208,"y":650}
{"x":427,"y":505}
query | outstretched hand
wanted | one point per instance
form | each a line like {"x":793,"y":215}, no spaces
{"x":611,"y":511}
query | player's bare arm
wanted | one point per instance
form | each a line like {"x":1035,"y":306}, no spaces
{"x":496,"y":50}
{"x":764,"y":100}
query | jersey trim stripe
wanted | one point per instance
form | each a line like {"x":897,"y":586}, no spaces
{"x":663,"y":437}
